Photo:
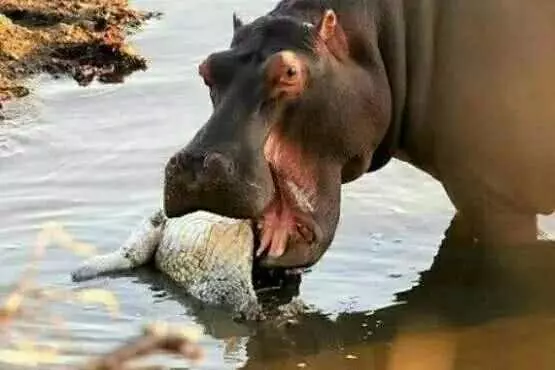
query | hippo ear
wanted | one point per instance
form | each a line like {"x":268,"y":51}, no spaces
{"x":331,"y":34}
{"x":237,"y":22}
{"x":328,"y":25}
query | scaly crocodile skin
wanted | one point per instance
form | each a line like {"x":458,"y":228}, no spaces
{"x":210,"y":256}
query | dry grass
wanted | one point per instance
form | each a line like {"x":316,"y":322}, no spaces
{"x":29,"y":302}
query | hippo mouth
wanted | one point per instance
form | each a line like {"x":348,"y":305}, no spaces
{"x":287,"y":222}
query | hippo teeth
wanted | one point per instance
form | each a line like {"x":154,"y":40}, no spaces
{"x":287,"y":218}
{"x":305,"y":233}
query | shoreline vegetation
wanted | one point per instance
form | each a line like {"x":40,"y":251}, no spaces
{"x":82,"y":39}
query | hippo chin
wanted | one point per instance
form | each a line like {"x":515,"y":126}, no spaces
{"x":317,"y":93}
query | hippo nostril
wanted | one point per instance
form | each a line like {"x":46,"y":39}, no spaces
{"x":181,"y":168}
{"x":179,"y":162}
{"x":219,"y":163}
{"x":172,"y":168}
{"x":173,"y":162}
{"x":198,"y":169}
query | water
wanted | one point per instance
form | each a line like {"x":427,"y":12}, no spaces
{"x":92,"y":160}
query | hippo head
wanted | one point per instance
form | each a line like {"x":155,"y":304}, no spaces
{"x":294,"y":117}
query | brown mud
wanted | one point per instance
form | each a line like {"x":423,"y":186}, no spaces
{"x":83,"y":39}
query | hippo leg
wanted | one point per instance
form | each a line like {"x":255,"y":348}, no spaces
{"x":493,"y":219}
{"x":501,"y":228}
{"x":137,"y":250}
{"x":511,"y":228}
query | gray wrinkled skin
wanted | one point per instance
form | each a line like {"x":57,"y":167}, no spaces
{"x":208,"y":255}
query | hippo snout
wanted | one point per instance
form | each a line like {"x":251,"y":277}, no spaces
{"x":197,"y":170}
{"x":211,"y":181}
{"x":189,"y":175}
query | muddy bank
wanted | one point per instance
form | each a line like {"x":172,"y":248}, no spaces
{"x":83,"y":39}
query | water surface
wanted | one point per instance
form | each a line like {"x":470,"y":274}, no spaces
{"x":92,"y":158}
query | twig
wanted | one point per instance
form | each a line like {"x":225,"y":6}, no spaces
{"x":154,"y":340}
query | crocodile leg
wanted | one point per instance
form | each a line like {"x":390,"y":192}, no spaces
{"x":137,"y":250}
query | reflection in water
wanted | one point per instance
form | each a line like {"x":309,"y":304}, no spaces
{"x":279,"y":289}
{"x":216,"y":323}
{"x":477,"y":307}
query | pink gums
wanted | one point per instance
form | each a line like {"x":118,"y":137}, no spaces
{"x":286,"y":219}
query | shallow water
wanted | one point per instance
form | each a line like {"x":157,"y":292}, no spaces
{"x":91,"y":159}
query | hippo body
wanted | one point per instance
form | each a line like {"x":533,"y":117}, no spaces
{"x":211,"y":257}
{"x":317,"y":93}
{"x":479,"y":112}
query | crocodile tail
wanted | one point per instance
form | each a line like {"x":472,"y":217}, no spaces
{"x":137,"y":250}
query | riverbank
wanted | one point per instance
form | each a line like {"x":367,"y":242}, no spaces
{"x":82,"y":39}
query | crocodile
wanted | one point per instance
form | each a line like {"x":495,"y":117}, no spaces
{"x":210,"y":256}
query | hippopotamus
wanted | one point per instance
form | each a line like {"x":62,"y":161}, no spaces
{"x":317,"y":93}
